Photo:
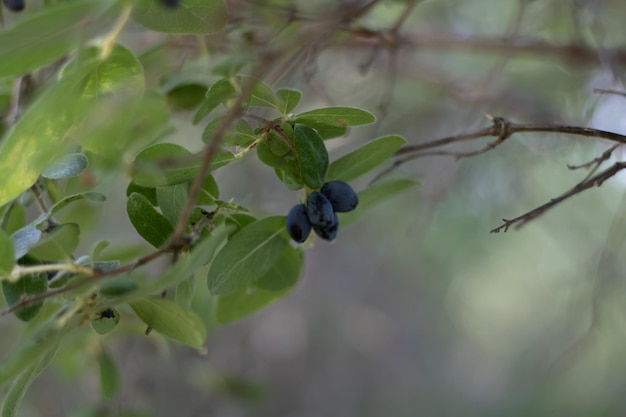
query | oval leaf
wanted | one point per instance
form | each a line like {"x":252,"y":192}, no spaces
{"x":109,"y":376}
{"x":217,"y":94}
{"x":290,"y":98}
{"x":25,"y":286}
{"x":22,"y":383}
{"x":171,"y":320}
{"x":285,"y":273}
{"x":336,"y":116}
{"x":105,"y":321}
{"x":312,"y":155}
{"x":90,"y":195}
{"x":24,"y":239}
{"x":189,"y":17}
{"x":59,"y":28}
{"x":364,"y":159}
{"x":157,"y":166}
{"x":172,"y":199}
{"x":248,"y":255}
{"x":242,"y":303}
{"x":67,"y":166}
{"x":149,"y":223}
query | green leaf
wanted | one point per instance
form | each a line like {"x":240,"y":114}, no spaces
{"x":290,"y":99}
{"x":58,"y":244}
{"x":242,"y":303}
{"x":67,"y":166}
{"x":241,"y":134}
{"x":328,"y":131}
{"x":22,"y":383}
{"x":109,"y":100}
{"x":90,"y":195}
{"x":190,"y":17}
{"x":14,"y":218}
{"x":7,"y":255}
{"x":285,"y":273}
{"x":59,"y":30}
{"x":105,"y":321}
{"x":336,"y":116}
{"x":148,"y":192}
{"x":223,"y":158}
{"x":172,"y":199}
{"x":24,"y":239}
{"x":160,"y":165}
{"x":364,"y":159}
{"x":186,"y":96}
{"x":209,"y":192}
{"x":149,"y":223}
{"x":30,"y":350}
{"x":312,"y":155}
{"x":171,"y":320}
{"x":185,"y":291}
{"x":38,"y":137}
{"x":26,"y":286}
{"x":374,"y":195}
{"x":261,"y":95}
{"x":248,"y":255}
{"x":217,"y":94}
{"x":109,"y":376}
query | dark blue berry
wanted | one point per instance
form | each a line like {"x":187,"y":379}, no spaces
{"x":329,"y":232}
{"x":298,"y":224}
{"x":14,"y":5}
{"x":320,"y":210}
{"x":341,"y":196}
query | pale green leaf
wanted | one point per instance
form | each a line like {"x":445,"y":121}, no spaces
{"x":290,"y":99}
{"x":336,"y":116}
{"x":49,"y":34}
{"x":248,"y":255}
{"x":171,"y":320}
{"x":149,"y":223}
{"x":364,"y":159}
{"x":171,"y":200}
{"x":67,"y":166}
{"x":190,"y":17}
{"x":15,"y":395}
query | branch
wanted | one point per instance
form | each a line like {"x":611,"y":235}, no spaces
{"x":594,"y":181}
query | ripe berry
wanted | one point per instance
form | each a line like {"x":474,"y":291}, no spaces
{"x":298,"y":224}
{"x":341,"y":195}
{"x":320,"y":210}
{"x":14,"y":5}
{"x":329,"y":232}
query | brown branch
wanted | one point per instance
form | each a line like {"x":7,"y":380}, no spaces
{"x":97,"y":275}
{"x":594,"y":181}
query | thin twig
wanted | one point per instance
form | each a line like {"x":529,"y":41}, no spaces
{"x":594,"y":181}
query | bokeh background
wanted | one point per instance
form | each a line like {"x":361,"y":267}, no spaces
{"x":416,"y":309}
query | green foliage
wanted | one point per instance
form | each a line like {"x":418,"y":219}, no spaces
{"x":191,"y":17}
{"x":172,"y":320}
{"x":100,"y":112}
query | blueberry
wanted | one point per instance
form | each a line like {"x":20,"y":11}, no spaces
{"x":298,"y":224}
{"x":341,"y":195}
{"x":320,"y":210}
{"x":14,"y":5}
{"x":328,"y":232}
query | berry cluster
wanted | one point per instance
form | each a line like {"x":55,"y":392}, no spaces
{"x":320,"y":210}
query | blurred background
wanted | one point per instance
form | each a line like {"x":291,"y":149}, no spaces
{"x":416,"y":310}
